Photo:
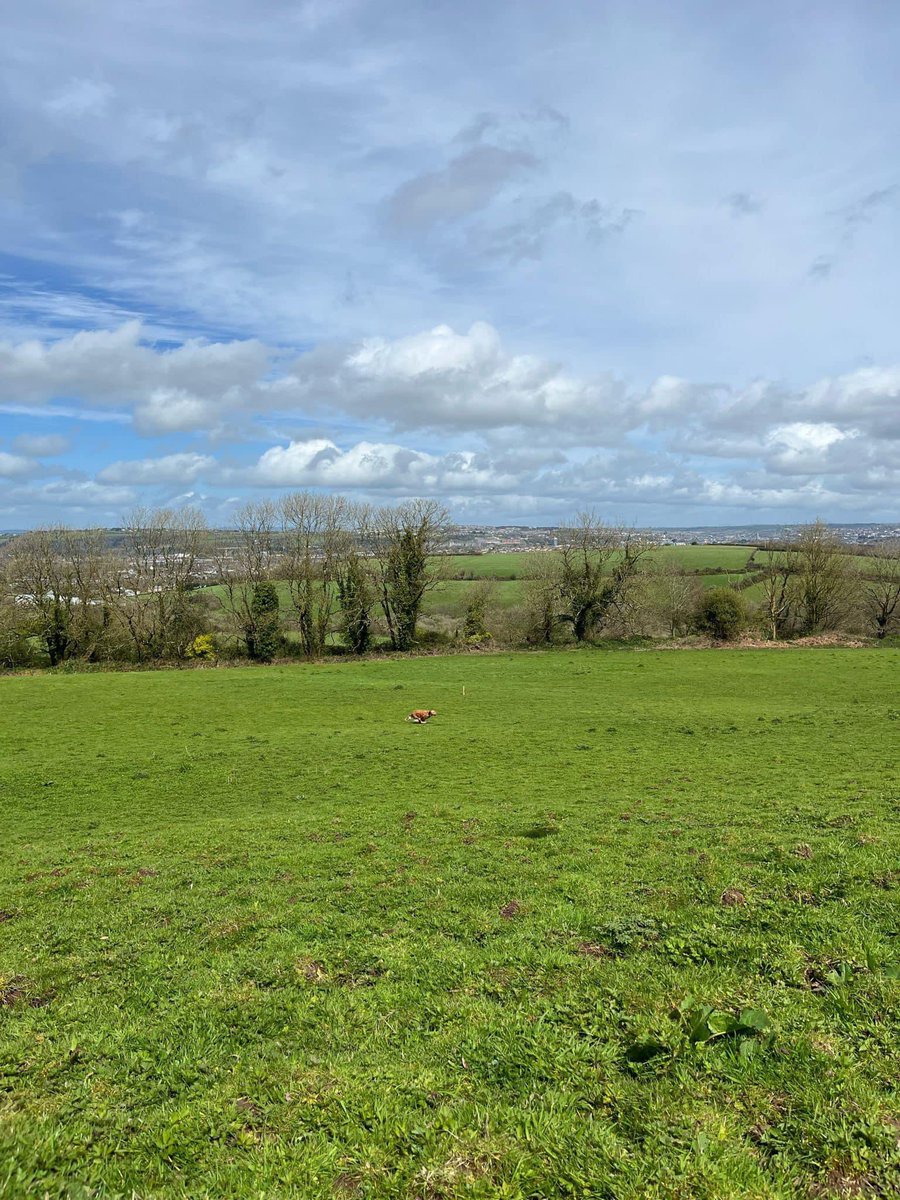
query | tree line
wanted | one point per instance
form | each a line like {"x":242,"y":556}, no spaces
{"x":313,"y":574}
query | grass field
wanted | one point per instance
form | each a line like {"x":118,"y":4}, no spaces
{"x":259,"y":937}
{"x":518,"y":564}
{"x":508,"y":571}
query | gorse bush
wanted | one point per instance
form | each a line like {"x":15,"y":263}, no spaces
{"x":203,"y":647}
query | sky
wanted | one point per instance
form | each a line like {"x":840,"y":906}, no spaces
{"x":637,"y":256}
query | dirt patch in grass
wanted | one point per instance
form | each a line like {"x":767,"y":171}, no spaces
{"x":347,"y":1185}
{"x":19,"y":990}
{"x":816,"y":975}
{"x":359,"y":976}
{"x":593,"y":950}
{"x":311,"y":970}
{"x":840,"y":1183}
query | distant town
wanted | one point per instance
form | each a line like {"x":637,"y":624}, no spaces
{"x":499,"y":539}
{"x":475,"y":539}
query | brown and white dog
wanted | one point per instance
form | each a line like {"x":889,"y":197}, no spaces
{"x":421,"y":715}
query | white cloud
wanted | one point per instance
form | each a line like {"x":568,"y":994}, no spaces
{"x":15,"y":466}
{"x":494,"y":422}
{"x":66,"y":499}
{"x":803,"y":437}
{"x":372,"y":466}
{"x":170,"y":468}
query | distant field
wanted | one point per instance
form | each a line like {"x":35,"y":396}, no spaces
{"x":694,"y":558}
{"x":450,"y":597}
{"x":515,"y":565}
{"x":519,"y":565}
{"x":260,"y":937}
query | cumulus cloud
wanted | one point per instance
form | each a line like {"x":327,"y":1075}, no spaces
{"x":68,"y":499}
{"x":170,"y":468}
{"x":372,"y":466}
{"x":187,"y":387}
{"x":506,"y":424}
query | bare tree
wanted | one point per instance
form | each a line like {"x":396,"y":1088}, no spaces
{"x":152,"y":585}
{"x":541,"y":598}
{"x":882,"y":587}
{"x":676,"y":596}
{"x":313,"y":528}
{"x":404,"y":541}
{"x":244,"y":563}
{"x":779,"y":588}
{"x":823,"y":577}
{"x":54,"y":576}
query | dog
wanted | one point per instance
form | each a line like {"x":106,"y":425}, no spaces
{"x":420,"y":715}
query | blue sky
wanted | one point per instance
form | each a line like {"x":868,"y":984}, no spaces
{"x":528,"y":258}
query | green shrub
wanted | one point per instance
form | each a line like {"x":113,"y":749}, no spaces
{"x":266,"y":639}
{"x":721,"y":613}
{"x":475,"y":631}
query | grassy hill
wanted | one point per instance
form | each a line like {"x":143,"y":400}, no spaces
{"x":261,"y":937}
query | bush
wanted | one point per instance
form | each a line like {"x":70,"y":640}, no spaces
{"x":428,"y":638}
{"x":17,"y":651}
{"x":720,"y":613}
{"x":204,"y":648}
{"x":266,"y":638}
{"x":474,"y":631}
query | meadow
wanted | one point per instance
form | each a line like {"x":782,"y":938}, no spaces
{"x":614,"y":924}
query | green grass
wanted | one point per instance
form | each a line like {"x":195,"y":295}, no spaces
{"x":451,"y":596}
{"x":263,"y":938}
{"x":698,"y":558}
{"x":519,"y":564}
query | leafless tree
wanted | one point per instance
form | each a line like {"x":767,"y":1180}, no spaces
{"x":244,"y":561}
{"x":676,"y":596}
{"x":54,"y":576}
{"x":882,"y":587}
{"x":313,"y":528}
{"x":151,"y":586}
{"x":779,"y":584}
{"x":823,"y":577}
